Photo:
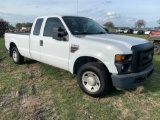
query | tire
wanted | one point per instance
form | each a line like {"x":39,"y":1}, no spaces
{"x":16,"y":56}
{"x":94,"y":79}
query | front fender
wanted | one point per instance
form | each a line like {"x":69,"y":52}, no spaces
{"x":107,"y":59}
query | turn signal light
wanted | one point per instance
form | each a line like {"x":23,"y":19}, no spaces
{"x":119,"y":57}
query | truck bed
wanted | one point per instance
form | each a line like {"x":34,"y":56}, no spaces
{"x":19,"y":33}
{"x":21,"y":40}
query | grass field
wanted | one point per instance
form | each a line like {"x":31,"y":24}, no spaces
{"x":135,"y":35}
{"x":37,"y":91}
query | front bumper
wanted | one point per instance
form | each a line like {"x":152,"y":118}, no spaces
{"x":131,"y":80}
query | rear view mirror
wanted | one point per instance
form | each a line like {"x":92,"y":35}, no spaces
{"x":59,"y":34}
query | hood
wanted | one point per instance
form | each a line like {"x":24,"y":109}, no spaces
{"x":116,"y":39}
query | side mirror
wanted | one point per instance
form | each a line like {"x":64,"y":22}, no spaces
{"x":59,"y":34}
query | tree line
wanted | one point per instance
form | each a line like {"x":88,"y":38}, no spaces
{"x":9,"y":26}
{"x":18,"y":25}
{"x":138,"y":24}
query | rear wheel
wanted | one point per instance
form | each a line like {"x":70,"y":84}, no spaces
{"x":94,"y":79}
{"x":17,"y":57}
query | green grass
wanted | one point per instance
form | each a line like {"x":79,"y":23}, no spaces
{"x":135,"y":35}
{"x":35,"y":90}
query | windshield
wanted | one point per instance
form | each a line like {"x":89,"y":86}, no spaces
{"x":81,"y":26}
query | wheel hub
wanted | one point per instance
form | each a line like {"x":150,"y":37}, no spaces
{"x":91,"y":81}
{"x":14,"y":55}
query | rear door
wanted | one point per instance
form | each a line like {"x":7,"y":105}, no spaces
{"x":54,"y":52}
{"x":35,"y":40}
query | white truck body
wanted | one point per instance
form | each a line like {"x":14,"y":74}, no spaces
{"x":103,"y":47}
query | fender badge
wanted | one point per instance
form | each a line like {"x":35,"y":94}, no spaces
{"x":74,"y":48}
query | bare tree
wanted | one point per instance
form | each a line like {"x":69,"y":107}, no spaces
{"x":140,"y":23}
{"x":109,"y":24}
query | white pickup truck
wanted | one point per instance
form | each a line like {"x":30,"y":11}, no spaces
{"x":82,"y":46}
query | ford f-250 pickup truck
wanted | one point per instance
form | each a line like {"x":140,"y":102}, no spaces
{"x":82,"y":46}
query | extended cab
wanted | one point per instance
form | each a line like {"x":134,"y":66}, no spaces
{"x":83,"y":47}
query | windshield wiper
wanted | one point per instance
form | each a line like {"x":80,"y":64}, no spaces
{"x":101,"y":33}
{"x":84,"y":33}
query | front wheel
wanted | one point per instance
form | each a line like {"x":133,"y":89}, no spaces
{"x":17,"y":57}
{"x":94,"y":79}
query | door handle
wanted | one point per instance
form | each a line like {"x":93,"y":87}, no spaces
{"x":41,"y":42}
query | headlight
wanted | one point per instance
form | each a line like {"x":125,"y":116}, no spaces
{"x":123,"y":63}
{"x":120,"y":58}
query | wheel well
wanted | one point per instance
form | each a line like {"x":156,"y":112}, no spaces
{"x":84,"y":60}
{"x":10,"y":48}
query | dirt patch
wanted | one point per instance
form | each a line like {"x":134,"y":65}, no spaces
{"x":118,"y":103}
{"x":140,"y":90}
{"x":2,"y":65}
{"x":34,"y":74}
{"x":29,"y":106}
{"x":38,"y":108}
{"x":153,"y":102}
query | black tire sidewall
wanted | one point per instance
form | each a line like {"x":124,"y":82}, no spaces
{"x":100,"y":72}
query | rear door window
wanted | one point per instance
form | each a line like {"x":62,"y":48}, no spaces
{"x":37,"y":27}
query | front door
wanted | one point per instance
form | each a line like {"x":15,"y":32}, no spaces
{"x":54,"y":52}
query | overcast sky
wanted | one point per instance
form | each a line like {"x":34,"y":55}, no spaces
{"x":120,"y":12}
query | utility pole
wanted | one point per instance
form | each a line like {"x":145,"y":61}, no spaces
{"x":77,"y":7}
